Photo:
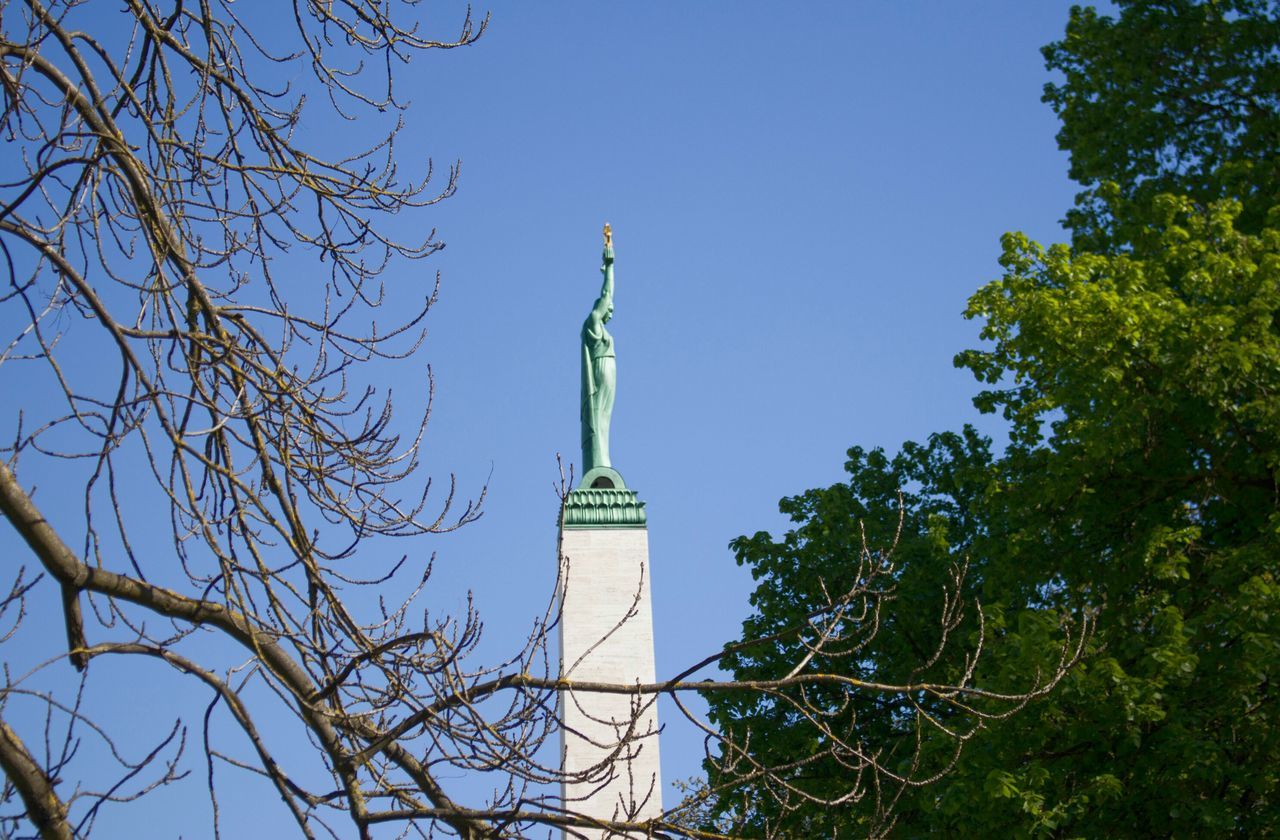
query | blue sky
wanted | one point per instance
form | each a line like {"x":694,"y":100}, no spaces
{"x":803,"y":196}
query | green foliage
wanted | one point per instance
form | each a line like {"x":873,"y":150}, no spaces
{"x":822,"y":556}
{"x":1171,"y":96}
{"x":1143,"y":392}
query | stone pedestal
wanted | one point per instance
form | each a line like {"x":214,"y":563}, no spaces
{"x":609,"y":747}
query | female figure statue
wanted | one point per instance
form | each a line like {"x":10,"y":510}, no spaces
{"x":599,"y":370}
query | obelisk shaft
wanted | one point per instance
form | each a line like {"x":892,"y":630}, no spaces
{"x":610,"y":741}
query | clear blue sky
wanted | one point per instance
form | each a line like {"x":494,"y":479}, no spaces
{"x":803,"y":197}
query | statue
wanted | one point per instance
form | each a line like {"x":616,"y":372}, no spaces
{"x":599,"y":377}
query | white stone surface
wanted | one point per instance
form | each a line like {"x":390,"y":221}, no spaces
{"x":609,"y":746}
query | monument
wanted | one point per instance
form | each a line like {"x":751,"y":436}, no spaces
{"x":609,"y":746}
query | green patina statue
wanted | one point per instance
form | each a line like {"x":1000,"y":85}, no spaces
{"x":601,"y":499}
{"x":599,"y":378}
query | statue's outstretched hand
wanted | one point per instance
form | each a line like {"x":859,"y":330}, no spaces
{"x":608,"y":256}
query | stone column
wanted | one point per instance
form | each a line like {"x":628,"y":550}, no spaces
{"x":609,"y":742}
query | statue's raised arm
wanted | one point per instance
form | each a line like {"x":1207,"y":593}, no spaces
{"x":599,"y":370}
{"x":603,"y":308}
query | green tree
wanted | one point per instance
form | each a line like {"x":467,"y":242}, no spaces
{"x":1141,"y":480}
{"x":1179,"y":96}
{"x":896,"y":640}
{"x":1139,"y":372}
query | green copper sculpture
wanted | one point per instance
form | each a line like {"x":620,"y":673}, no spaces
{"x":601,"y":499}
{"x":599,"y":379}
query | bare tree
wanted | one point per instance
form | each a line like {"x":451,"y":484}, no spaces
{"x":191,"y":299}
